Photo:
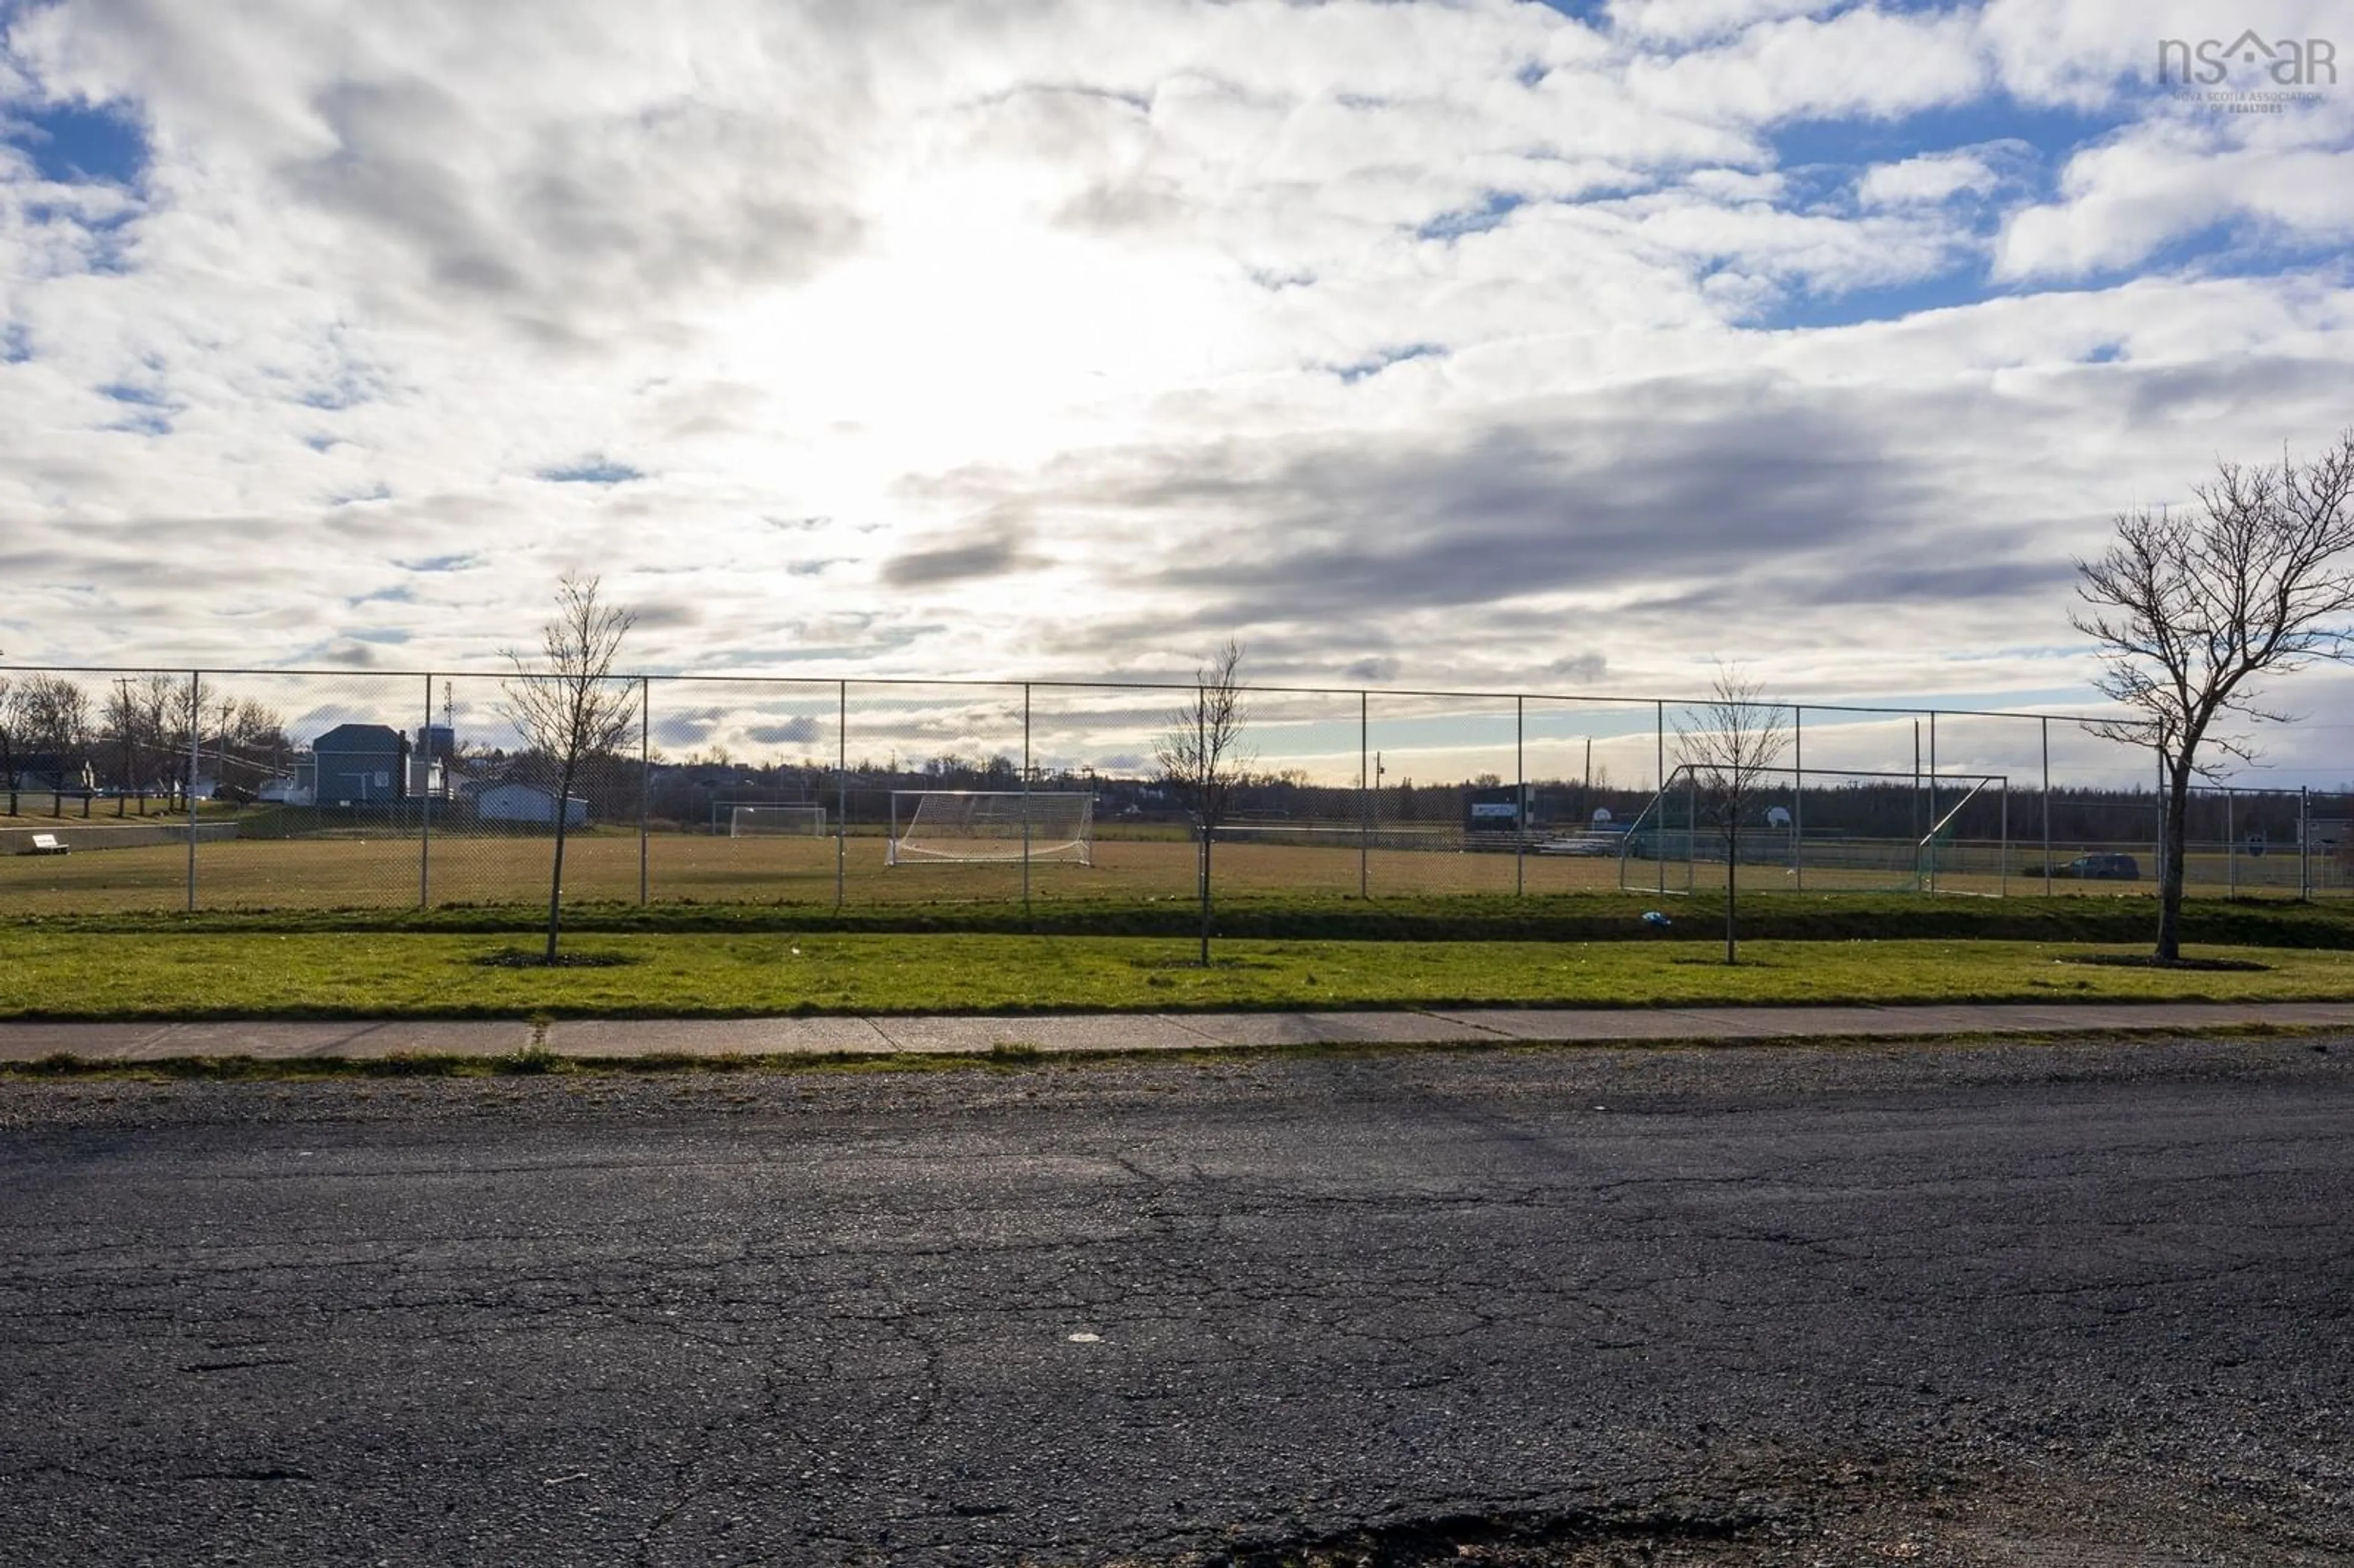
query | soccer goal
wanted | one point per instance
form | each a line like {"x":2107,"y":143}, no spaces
{"x":775,"y":821}
{"x":953,"y":825}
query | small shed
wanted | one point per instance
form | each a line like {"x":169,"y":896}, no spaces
{"x":527,"y":803}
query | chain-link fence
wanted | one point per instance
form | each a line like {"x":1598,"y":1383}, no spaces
{"x":155,"y":790}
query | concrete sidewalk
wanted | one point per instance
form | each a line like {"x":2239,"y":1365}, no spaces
{"x":592,"y":1038}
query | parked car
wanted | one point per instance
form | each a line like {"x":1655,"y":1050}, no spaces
{"x":2105,"y":868}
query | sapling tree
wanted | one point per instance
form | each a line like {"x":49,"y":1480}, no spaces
{"x":1731,"y":747}
{"x":1202,"y":759}
{"x":569,"y":706}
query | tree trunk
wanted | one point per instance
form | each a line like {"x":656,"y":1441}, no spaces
{"x":1205,"y":894}
{"x":1731,"y":888}
{"x":556,"y":880}
{"x":2171,"y":836}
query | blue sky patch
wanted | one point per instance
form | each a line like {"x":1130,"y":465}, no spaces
{"x":122,"y":392}
{"x":464,"y":561}
{"x":1852,"y":307}
{"x":590,"y":470}
{"x":72,"y":144}
{"x":1492,"y":210}
{"x":1855,"y":144}
{"x":146,"y":410}
{"x":1381,"y":359}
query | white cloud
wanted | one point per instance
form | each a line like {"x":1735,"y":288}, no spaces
{"x":1932,"y":177}
{"x":2124,"y":200}
{"x":1449,"y":341}
{"x":1686,"y":21}
{"x":1859,"y":62}
{"x":2098,"y":54}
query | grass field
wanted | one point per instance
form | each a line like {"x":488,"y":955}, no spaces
{"x":604,"y":866}
{"x":59,"y":974}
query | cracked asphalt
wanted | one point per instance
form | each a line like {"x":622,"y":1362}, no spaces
{"x":2080,"y":1302}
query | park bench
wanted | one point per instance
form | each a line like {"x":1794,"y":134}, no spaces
{"x":46,"y":843}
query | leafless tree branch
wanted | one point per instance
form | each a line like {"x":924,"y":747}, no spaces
{"x":2190,"y":609}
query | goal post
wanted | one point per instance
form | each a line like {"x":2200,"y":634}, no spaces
{"x":952,"y":826}
{"x":1825,"y":830}
{"x":777,"y":822}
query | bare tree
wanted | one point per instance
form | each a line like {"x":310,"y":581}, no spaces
{"x":53,"y":718}
{"x":1202,"y":759}
{"x":1729,"y":748}
{"x":258,"y":743}
{"x":2190,"y":608}
{"x":569,"y":706}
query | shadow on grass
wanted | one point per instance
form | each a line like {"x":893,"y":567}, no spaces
{"x":2151,"y":961}
{"x":536,"y":959}
{"x":1195,"y":964}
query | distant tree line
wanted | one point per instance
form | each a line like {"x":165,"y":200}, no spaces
{"x":143,"y":737}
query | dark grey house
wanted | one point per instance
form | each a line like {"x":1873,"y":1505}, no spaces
{"x":360,"y":764}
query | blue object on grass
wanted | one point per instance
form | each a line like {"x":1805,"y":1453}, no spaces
{"x":1654,"y":918}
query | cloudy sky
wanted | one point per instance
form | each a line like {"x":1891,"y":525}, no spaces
{"x":1478,"y":344}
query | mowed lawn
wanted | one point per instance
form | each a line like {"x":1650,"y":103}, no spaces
{"x":396,"y":873}
{"x":389,"y":873}
{"x":62,"y":975}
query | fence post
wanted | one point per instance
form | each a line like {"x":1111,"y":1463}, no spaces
{"x":840,"y":786}
{"x":2304,"y":842}
{"x":645,"y":784}
{"x":1364,"y":782}
{"x":1026,"y":800}
{"x":1202,"y":781}
{"x":196,"y":740}
{"x":1691,"y":833}
{"x":1660,"y":747}
{"x":1798,"y":795}
{"x":425,"y":804}
{"x":1520,"y":796}
{"x":1933,"y":801}
{"x":2230,"y":848}
{"x":2047,"y":808}
{"x":1916,"y":799}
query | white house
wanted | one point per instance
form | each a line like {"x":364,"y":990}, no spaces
{"x":527,"y":803}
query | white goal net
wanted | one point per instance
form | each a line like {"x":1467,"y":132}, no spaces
{"x":765,"y":821}
{"x":948,"y":825}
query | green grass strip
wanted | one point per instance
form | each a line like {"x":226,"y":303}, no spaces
{"x":50,"y":975}
{"x":1573,"y":916}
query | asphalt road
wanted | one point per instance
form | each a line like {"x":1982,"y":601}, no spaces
{"x":2058,"y":1304}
